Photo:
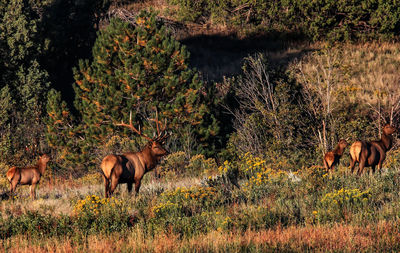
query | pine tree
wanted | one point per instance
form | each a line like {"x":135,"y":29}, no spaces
{"x":23,"y":82}
{"x":60,"y":134}
{"x":141,"y":68}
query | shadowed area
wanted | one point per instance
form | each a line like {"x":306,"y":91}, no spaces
{"x":220,"y":55}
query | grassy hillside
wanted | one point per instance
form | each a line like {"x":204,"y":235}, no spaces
{"x":273,"y":210}
{"x":279,"y":91}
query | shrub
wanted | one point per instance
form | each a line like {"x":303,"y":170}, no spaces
{"x":340,"y":204}
{"x":335,"y":20}
{"x":95,"y":214}
{"x":178,"y":164}
{"x":186,"y":210}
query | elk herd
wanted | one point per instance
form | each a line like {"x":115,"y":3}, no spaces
{"x":365,"y":153}
{"x":129,"y":168}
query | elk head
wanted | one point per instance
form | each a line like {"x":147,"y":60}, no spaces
{"x":388,"y":129}
{"x":44,"y":158}
{"x":343,"y":143}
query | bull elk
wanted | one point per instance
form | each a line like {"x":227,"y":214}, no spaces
{"x":130,"y":167}
{"x":27,"y":175}
{"x":332,"y":158}
{"x":370,"y":154}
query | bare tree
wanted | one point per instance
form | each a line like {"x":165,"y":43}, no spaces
{"x":320,"y":82}
{"x":259,"y":117}
{"x":384,"y":97}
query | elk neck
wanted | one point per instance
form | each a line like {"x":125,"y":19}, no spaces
{"x":150,"y":159}
{"x":386,"y":141}
{"x":338,"y":150}
{"x":41,"y":165}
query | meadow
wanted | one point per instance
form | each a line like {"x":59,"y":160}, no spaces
{"x":252,"y":96}
{"x":195,"y":207}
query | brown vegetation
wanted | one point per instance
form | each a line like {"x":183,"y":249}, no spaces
{"x":332,"y":158}
{"x":130,"y":167}
{"x":370,"y":154}
{"x":338,"y":237}
{"x":27,"y":175}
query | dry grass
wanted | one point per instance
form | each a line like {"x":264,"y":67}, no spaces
{"x":338,"y":237}
{"x":363,"y":73}
{"x":59,"y":196}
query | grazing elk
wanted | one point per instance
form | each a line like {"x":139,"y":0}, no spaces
{"x":332,"y":158}
{"x":370,"y":154}
{"x":27,"y":175}
{"x":130,"y":167}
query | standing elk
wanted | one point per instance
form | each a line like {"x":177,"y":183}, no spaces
{"x":370,"y":154}
{"x":332,"y":158}
{"x":130,"y":167}
{"x":27,"y":175}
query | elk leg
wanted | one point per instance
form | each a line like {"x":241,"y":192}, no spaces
{"x":331,"y":169}
{"x":380,"y":168}
{"x":381,"y":163}
{"x":361,"y":167}
{"x":106,"y":187}
{"x":352,"y":164}
{"x":114,"y":184}
{"x":137,"y":186}
{"x":326,"y":165}
{"x":156,"y":174}
{"x":33,"y":193}
{"x":13,"y":186}
{"x":130,"y":186}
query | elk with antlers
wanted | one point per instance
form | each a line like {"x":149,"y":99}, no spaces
{"x":332,"y":158}
{"x":370,"y":154}
{"x":27,"y":175}
{"x":130,"y":167}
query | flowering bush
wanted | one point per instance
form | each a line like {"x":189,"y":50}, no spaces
{"x":199,"y":164}
{"x":260,"y":176}
{"x":178,"y":164}
{"x":189,"y":200}
{"x":345,"y":197}
{"x":341,"y":203}
{"x":185,"y":210}
{"x":93,"y":204}
{"x":102,"y":214}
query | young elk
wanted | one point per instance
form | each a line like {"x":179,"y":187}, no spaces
{"x":332,"y":158}
{"x":27,"y":175}
{"x":370,"y":154}
{"x":130,"y":167}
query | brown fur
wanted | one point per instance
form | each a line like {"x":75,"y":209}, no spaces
{"x":332,"y":158}
{"x":373,"y":153}
{"x":27,"y":175}
{"x":130,"y":167}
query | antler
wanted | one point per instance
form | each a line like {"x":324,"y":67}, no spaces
{"x":130,"y":126}
{"x":160,"y":134}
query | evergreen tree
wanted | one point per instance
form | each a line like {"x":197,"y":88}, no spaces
{"x":140,"y":69}
{"x":60,"y":133}
{"x":23,"y":82}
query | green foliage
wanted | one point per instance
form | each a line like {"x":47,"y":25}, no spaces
{"x":334,"y":20}
{"x":36,"y":225}
{"x":190,"y":10}
{"x":140,"y":69}
{"x":268,"y":120}
{"x":95,"y":214}
{"x":186,"y":210}
{"x":335,"y":205}
{"x":60,"y":134}
{"x":179,"y":164}
{"x":23,"y":81}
